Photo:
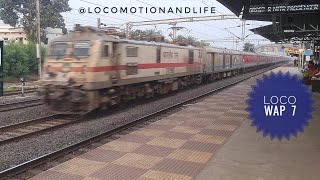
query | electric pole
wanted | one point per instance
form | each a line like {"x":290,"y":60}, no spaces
{"x":38,"y":38}
{"x":243,"y":33}
{"x":99,"y":23}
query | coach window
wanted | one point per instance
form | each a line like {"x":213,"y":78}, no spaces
{"x":105,"y":51}
{"x":191,"y":56}
{"x":132,"y":51}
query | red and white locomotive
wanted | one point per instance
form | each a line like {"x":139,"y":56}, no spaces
{"x":87,"y":69}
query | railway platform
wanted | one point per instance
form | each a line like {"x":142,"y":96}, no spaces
{"x":211,"y":139}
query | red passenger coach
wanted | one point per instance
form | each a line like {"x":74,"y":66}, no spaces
{"x":250,"y":59}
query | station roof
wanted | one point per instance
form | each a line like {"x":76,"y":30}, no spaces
{"x":293,"y":19}
{"x":293,"y":35}
{"x":233,"y":5}
{"x":259,"y":9}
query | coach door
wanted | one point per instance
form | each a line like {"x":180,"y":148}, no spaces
{"x":115,"y":60}
{"x":231,"y":61}
{"x":158,"y":55}
{"x":224,"y":60}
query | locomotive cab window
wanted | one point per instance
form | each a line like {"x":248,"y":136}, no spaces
{"x":81,"y":50}
{"x":132,"y":51}
{"x":191,"y":56}
{"x":58,"y":50}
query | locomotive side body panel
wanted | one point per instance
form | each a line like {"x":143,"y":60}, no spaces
{"x":141,"y":63}
{"x":100,"y":69}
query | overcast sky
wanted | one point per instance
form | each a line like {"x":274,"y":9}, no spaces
{"x":205,"y":30}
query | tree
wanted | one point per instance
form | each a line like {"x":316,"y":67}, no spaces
{"x":148,"y":34}
{"x":20,"y":59}
{"x":151,"y":34}
{"x":24,"y":12}
{"x":190,"y":40}
{"x":181,"y":39}
{"x":248,"y":47}
{"x":202,"y":44}
{"x":16,"y":64}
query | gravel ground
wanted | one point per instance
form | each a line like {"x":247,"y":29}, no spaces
{"x":24,"y":114}
{"x":18,"y":152}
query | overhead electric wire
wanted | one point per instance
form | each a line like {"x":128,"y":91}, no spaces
{"x":182,"y":16}
{"x":185,"y":17}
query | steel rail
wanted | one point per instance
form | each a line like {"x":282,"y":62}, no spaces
{"x":18,"y":131}
{"x":20,"y":104}
{"x":17,"y":92}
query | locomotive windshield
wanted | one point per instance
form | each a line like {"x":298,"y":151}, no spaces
{"x":58,"y":50}
{"x":81,"y":50}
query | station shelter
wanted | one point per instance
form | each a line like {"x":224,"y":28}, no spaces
{"x":293,"y":21}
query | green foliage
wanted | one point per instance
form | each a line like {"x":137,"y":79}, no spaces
{"x":50,"y":13}
{"x":190,"y":40}
{"x":20,"y":59}
{"x":152,"y":34}
{"x":248,"y":47}
{"x":148,"y":34}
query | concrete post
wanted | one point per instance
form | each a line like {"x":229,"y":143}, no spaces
{"x":1,"y":67}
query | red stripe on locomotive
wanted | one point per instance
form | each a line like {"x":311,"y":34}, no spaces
{"x":124,"y":67}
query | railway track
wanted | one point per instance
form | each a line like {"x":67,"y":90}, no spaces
{"x":71,"y":148}
{"x":20,"y":104}
{"x":18,"y":92}
{"x":36,"y":126}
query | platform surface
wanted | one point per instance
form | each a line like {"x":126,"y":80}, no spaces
{"x":211,"y":139}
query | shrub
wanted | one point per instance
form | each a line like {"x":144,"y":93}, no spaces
{"x":20,"y":59}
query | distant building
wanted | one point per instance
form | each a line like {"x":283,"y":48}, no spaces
{"x":53,"y":33}
{"x":278,"y":49}
{"x":8,"y":33}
